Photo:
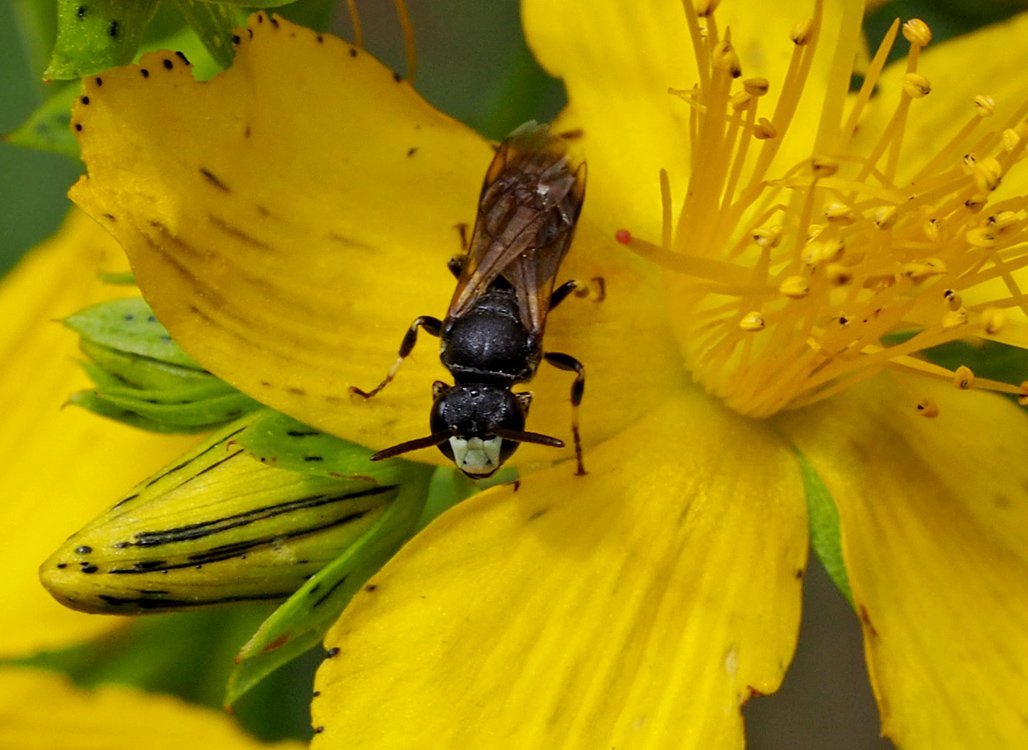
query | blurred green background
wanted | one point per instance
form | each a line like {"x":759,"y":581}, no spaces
{"x":473,"y":63}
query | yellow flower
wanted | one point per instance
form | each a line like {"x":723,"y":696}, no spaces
{"x":44,"y":711}
{"x":786,"y":261}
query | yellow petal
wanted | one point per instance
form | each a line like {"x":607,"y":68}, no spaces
{"x":60,"y":466}
{"x":44,"y":711}
{"x":288,"y":219}
{"x":635,"y":607}
{"x":934,"y":517}
{"x":618,"y":61}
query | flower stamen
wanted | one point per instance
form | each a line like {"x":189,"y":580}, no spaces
{"x":790,"y":288}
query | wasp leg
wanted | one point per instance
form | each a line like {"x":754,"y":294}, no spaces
{"x":596,"y":288}
{"x":569,"y":363}
{"x":432,"y":326}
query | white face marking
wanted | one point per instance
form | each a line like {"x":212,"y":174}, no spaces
{"x":475,"y":455}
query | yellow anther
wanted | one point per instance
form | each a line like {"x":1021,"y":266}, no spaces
{"x":984,"y":105}
{"x":823,"y":166}
{"x":884,"y":216}
{"x":934,"y":230}
{"x":838,"y":274}
{"x":705,"y":7}
{"x":928,"y":408}
{"x":1022,"y":396}
{"x":953,"y":299}
{"x":800,"y":33}
{"x":924,"y":269}
{"x":983,"y":237}
{"x":818,"y":253}
{"x":767,"y":237}
{"x":916,"y":85}
{"x":954,"y":319}
{"x":976,"y":202}
{"x":814,"y":231}
{"x":839,"y":213}
{"x":794,"y":287}
{"x":1003,"y":220}
{"x":756,"y":86}
{"x":752,"y":321}
{"x":993,"y":319}
{"x":1010,"y":139}
{"x":963,"y":377}
{"x":726,"y":59}
{"x":764,"y":130}
{"x":917,"y":32}
{"x":741,"y":100}
{"x":988,"y":174}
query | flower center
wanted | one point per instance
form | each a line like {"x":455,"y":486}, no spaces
{"x":788,"y":286}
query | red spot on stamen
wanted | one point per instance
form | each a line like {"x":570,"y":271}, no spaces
{"x":623,"y":236}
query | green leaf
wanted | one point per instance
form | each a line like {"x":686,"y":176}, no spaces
{"x":300,"y":623}
{"x":128,"y":325}
{"x":93,"y":35}
{"x":214,"y":23}
{"x":49,"y":127}
{"x":824,"y":527}
{"x":218,"y":526}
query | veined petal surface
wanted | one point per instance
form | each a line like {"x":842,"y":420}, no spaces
{"x":288,"y":219}
{"x":638,"y":606}
{"x":934,"y":518}
{"x":61,"y":466}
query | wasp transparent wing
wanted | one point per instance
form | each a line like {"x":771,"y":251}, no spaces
{"x":530,"y":200}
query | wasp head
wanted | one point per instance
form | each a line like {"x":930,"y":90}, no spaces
{"x":476,"y":417}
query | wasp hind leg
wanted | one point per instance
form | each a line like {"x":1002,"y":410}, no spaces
{"x":431,"y":325}
{"x":595,"y":289}
{"x":570,"y":364}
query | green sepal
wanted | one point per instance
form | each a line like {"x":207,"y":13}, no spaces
{"x":90,"y":401}
{"x":128,"y":325}
{"x":118,"y":278}
{"x":49,"y":127}
{"x":214,"y":23}
{"x":96,"y":35}
{"x":218,"y":526}
{"x":198,"y":407}
{"x":113,"y":367}
{"x":282,"y":441}
{"x":300,"y":623}
{"x":825,"y":535}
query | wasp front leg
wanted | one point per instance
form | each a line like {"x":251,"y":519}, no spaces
{"x":569,"y":363}
{"x":433,"y":326}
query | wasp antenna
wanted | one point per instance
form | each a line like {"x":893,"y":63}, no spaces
{"x":412,"y":445}
{"x":521,"y":436}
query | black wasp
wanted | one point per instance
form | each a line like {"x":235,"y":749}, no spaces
{"x":491,"y":338}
